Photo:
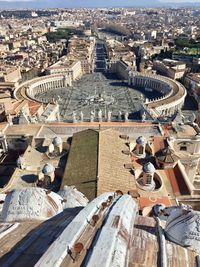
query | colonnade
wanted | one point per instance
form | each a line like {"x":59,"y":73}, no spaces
{"x":152,"y":83}
{"x":173,"y":92}
{"x":170,"y":108}
{"x":47,"y":83}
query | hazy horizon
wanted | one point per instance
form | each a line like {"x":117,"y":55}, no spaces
{"x":106,"y":1}
{"x":34,"y":4}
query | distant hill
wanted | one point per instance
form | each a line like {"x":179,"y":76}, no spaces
{"x":75,"y":3}
{"x":86,"y":3}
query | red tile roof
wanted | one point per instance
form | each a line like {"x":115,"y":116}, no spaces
{"x":177,"y":181}
{"x":33,"y":107}
{"x":158,"y":143}
{"x":151,"y":200}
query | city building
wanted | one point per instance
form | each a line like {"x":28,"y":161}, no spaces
{"x":171,"y":68}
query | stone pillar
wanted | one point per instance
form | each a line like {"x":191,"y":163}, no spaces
{"x":21,"y":163}
{"x":81,"y":116}
{"x":109,"y":116}
{"x":129,"y":81}
{"x":197,"y":146}
{"x":100,"y":115}
{"x":74,"y":117}
{"x":119,"y":115}
{"x":58,"y":145}
{"x":126,"y":116}
{"x":3,"y":142}
{"x":92,"y":116}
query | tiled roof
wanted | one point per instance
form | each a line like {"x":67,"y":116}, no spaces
{"x":158,"y":143}
{"x":111,"y":173}
{"x":33,"y":107}
{"x":166,"y":155}
{"x":150,"y":201}
{"x":96,"y":163}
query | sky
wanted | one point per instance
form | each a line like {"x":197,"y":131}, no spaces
{"x":180,"y":1}
{"x":177,"y":1}
{"x":92,"y":3}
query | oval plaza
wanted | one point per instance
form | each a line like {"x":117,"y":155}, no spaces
{"x":117,"y":96}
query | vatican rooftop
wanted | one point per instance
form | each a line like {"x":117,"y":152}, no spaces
{"x":98,"y":165}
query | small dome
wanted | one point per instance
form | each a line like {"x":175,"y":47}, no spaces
{"x":57,"y":140}
{"x":48,"y":168}
{"x":141,"y":140}
{"x":149,"y":168}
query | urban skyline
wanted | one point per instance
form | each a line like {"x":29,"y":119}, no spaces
{"x":90,"y":3}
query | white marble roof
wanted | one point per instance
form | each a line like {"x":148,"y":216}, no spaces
{"x":73,"y":197}
{"x":31,"y":204}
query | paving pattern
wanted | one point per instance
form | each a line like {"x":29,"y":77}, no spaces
{"x":95,"y":92}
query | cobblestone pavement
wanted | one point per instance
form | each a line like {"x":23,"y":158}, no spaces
{"x":93,"y":93}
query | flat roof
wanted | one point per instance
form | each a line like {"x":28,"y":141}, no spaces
{"x":183,"y":131}
{"x":133,"y":129}
{"x":22,"y":129}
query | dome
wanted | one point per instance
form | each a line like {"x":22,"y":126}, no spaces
{"x":182,"y":227}
{"x":57,"y":140}
{"x":31,"y":204}
{"x":48,"y":168}
{"x":141,"y":140}
{"x":149,"y":168}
